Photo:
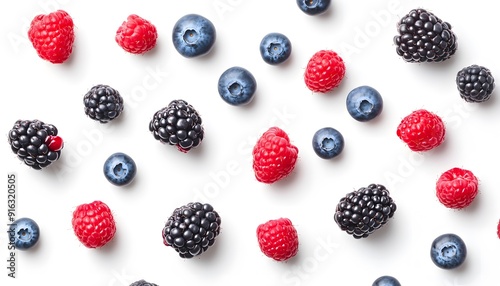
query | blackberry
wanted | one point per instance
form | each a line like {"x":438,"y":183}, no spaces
{"x":361,"y":212}
{"x":178,"y":124}
{"x":142,"y":282}
{"x":475,"y":83}
{"x":423,"y":37}
{"x":103,"y":103}
{"x":35,"y":143}
{"x":192,"y":229}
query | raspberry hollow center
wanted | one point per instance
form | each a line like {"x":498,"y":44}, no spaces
{"x":191,"y":36}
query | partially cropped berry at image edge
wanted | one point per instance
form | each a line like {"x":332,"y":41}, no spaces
{"x":93,"y":224}
{"x":35,"y":143}
{"x":136,"y":35}
{"x":274,"y":156}
{"x":278,"y":239}
{"x":52,"y":36}
{"x":421,"y":130}
{"x":325,"y":71}
{"x":457,"y":188}
{"x":142,"y":282}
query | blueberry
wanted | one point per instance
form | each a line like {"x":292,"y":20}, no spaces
{"x":328,"y":142}
{"x":386,"y":281}
{"x":448,"y":251}
{"x":313,"y":7}
{"x":364,"y":103}
{"x":275,"y":48}
{"x":237,"y":86}
{"x":119,"y":169}
{"x":25,"y":233}
{"x":193,"y":35}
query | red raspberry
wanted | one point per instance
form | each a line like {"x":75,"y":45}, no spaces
{"x":325,"y":70}
{"x":278,"y":239}
{"x":498,"y":229}
{"x":274,"y":157}
{"x":457,"y":188}
{"x":93,"y":224}
{"x":52,"y":36}
{"x":136,"y":35}
{"x":421,"y":130}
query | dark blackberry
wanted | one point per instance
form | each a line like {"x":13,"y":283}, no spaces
{"x":192,"y":229}
{"x":142,"y":282}
{"x":423,"y":37}
{"x":103,"y":103}
{"x":35,"y":143}
{"x":361,"y":212}
{"x":475,"y":83}
{"x":178,"y":124}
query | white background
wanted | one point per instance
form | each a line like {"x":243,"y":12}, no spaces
{"x":220,"y":172}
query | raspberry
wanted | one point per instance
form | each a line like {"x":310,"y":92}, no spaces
{"x":192,"y":229}
{"x":475,"y":83}
{"x":421,"y":130}
{"x":360,"y":213}
{"x":278,"y":239}
{"x":457,"y":188}
{"x":35,"y":143}
{"x":325,"y":70}
{"x":274,"y":157}
{"x":136,"y":35}
{"x":423,"y":37}
{"x":52,"y":36}
{"x":93,"y":224}
{"x":498,"y":229}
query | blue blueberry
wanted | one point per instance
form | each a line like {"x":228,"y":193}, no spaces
{"x":448,"y":251}
{"x":275,"y":48}
{"x":386,"y":281}
{"x":364,"y":103}
{"x":119,"y":169}
{"x":313,"y":7}
{"x":193,"y":35}
{"x":328,"y":142}
{"x":237,"y":86}
{"x":25,"y":233}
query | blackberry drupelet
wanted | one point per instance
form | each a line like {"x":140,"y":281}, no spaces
{"x":178,"y":124}
{"x":192,"y":229}
{"x":103,"y":103}
{"x":423,"y":37}
{"x":475,"y":83}
{"x":142,"y":282}
{"x":35,"y":143}
{"x":362,"y":212}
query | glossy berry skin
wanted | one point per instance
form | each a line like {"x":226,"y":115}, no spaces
{"x":142,"y":282}
{"x":328,"y":143}
{"x":35,"y":143}
{"x":278,"y":239}
{"x":103,"y":103}
{"x":136,"y":35}
{"x":52,"y":36}
{"x":193,"y":35}
{"x":448,"y":251}
{"x":313,"y":7}
{"x":274,"y":157}
{"x":386,"y":281}
{"x":26,"y":233}
{"x":93,"y":224}
{"x":475,"y":83}
{"x":324,"y":71}
{"x":456,"y":188}
{"x":421,"y":130}
{"x":237,"y":86}
{"x":423,"y":37}
{"x":275,"y":48}
{"x":119,"y":169}
{"x":364,"y":103}
{"x":192,"y":229}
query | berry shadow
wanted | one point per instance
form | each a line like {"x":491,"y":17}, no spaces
{"x":210,"y":256}
{"x":111,"y":246}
